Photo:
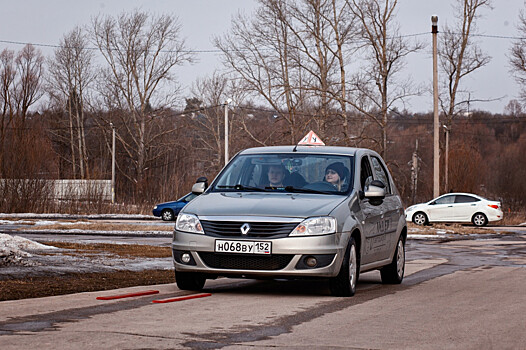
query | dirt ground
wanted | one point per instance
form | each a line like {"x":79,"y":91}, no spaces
{"x":23,"y":286}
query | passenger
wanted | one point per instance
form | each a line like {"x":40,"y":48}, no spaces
{"x":336,"y":174}
{"x":276,"y":174}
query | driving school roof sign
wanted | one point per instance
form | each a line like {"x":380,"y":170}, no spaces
{"x":311,"y":139}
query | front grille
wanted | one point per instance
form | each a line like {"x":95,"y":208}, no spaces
{"x":244,"y":262}
{"x":257,"y":229}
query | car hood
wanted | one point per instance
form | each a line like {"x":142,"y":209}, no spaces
{"x":167,"y":203}
{"x":419,"y":206}
{"x":300,"y":205}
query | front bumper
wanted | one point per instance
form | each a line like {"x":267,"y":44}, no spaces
{"x":286,"y":259}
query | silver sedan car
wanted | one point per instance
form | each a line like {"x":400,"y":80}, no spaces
{"x":293,"y":212}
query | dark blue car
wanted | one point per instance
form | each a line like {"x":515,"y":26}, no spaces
{"x":169,"y":210}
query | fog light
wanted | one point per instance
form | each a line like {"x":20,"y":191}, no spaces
{"x":185,"y":258}
{"x":311,"y":261}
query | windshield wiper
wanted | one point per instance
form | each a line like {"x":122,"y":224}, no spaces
{"x":243,"y":188}
{"x":305,"y":190}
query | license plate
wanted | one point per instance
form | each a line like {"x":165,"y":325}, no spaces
{"x":243,"y":247}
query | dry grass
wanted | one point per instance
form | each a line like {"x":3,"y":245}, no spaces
{"x":43,"y":286}
{"x":122,"y":250}
{"x":58,"y":284}
{"x":513,"y":218}
{"x":448,"y":229}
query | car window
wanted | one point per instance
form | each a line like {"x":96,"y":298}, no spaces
{"x":381,"y":173}
{"x":366,"y":174}
{"x":461,"y":198}
{"x":445,"y":200}
{"x":250,"y":172}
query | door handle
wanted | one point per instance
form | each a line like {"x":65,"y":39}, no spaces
{"x":450,"y":206}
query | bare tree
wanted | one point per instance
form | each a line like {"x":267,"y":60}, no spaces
{"x":518,"y":56}
{"x":323,"y":31}
{"x":460,"y":55}
{"x":376,"y":89}
{"x":21,"y":80}
{"x":260,"y":51}
{"x":205,"y":116}
{"x":7,"y":78}
{"x":71,"y":74}
{"x":28,"y":89}
{"x":141,"y":51}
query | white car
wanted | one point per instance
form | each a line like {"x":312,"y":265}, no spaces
{"x":455,"y":207}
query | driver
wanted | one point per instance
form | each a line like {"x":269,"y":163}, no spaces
{"x":276,"y":174}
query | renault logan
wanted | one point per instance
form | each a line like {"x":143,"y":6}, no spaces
{"x":293,"y":212}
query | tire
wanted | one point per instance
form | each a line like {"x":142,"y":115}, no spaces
{"x":167,"y":215}
{"x":394,"y":272}
{"x":479,"y":219}
{"x":189,"y":280}
{"x":420,"y":219}
{"x":344,"y":284}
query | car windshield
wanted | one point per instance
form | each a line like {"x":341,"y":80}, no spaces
{"x":290,"y":172}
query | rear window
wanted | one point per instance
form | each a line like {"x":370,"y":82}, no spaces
{"x":460,"y":198}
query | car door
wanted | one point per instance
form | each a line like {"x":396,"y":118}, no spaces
{"x":465,"y":207}
{"x":390,"y":208}
{"x":442,"y":208}
{"x":375,"y":239}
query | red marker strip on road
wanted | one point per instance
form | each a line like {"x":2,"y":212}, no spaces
{"x":129,"y":295}
{"x":186,"y":297}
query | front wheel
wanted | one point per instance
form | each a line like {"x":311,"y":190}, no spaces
{"x":479,"y":219}
{"x":344,"y":284}
{"x":189,"y":280}
{"x":394,"y":272}
{"x":420,"y":219}
{"x":167,"y":215}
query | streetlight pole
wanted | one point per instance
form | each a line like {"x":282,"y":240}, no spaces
{"x":228,"y":101}
{"x":446,"y":165}
{"x":436,"y":154}
{"x":113,"y":164}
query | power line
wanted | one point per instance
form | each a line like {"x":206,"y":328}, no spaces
{"x":55,"y":46}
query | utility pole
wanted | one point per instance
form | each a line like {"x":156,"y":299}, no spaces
{"x":446,"y":165}
{"x":436,"y":151}
{"x":228,"y":101}
{"x":113,"y":164}
{"x":414,"y":171}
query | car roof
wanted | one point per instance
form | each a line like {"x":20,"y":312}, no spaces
{"x":460,"y":193}
{"x":306,"y":149}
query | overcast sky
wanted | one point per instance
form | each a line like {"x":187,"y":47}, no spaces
{"x":45,"y":22}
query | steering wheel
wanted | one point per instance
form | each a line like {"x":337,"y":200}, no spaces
{"x":320,"y":186}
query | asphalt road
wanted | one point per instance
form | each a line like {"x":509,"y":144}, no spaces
{"x":466,"y":294}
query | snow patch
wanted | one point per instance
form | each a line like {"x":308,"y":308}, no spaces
{"x":14,"y":250}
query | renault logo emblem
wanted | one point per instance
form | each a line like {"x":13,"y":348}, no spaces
{"x":245,"y":228}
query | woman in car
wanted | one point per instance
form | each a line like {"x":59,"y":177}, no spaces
{"x":336,"y":174}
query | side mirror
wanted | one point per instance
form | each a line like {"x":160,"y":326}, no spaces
{"x":376,"y":190}
{"x":200,"y":185}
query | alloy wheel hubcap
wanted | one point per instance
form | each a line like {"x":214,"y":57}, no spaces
{"x":352,"y":267}
{"x":420,"y":219}
{"x":400,"y":259}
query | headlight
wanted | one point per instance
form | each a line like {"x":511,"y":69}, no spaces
{"x":155,"y":207}
{"x":188,"y":223}
{"x":322,"y":225}
{"x":411,"y":208}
